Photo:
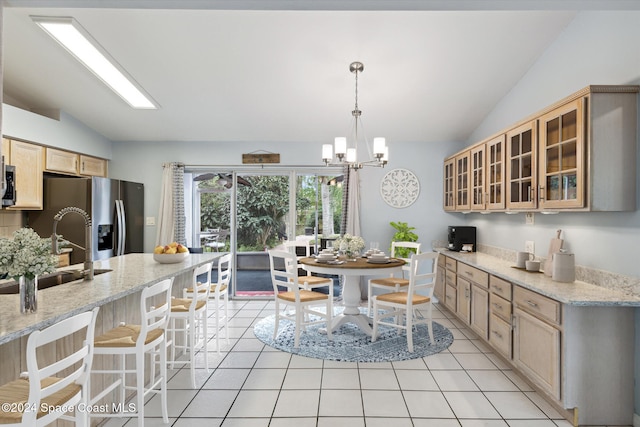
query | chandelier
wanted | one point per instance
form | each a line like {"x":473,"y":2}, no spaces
{"x":346,"y":155}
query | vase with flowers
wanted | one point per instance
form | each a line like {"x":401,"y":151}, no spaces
{"x":350,"y":246}
{"x":25,"y":257}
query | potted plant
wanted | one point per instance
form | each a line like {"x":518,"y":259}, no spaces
{"x":403,"y":233}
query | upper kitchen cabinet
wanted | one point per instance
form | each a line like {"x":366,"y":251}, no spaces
{"x":69,"y":163}
{"x":449,"y":188}
{"x":521,"y":167}
{"x":463,"y":181}
{"x":495,"y":152}
{"x":578,"y":154}
{"x":478,"y":177}
{"x":28,"y":160}
{"x":587,"y":151}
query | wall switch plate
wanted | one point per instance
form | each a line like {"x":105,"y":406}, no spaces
{"x":151,"y":220}
{"x":528,"y":218}
{"x":529,"y":246}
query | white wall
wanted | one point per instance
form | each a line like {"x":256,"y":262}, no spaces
{"x":596,"y":48}
{"x":142,"y":162}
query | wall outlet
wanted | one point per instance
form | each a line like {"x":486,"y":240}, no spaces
{"x":529,"y":246}
{"x":528,"y":218}
{"x":151,"y":220}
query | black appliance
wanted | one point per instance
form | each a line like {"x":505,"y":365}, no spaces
{"x":9,"y":198}
{"x":461,"y":235}
{"x":116,"y":209}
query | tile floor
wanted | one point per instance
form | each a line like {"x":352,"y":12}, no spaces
{"x":252,"y":385}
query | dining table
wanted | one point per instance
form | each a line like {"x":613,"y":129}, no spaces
{"x":352,"y":270}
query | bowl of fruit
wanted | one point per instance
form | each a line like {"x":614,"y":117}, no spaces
{"x":170,"y":254}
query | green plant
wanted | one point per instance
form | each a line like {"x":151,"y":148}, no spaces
{"x":403,"y":233}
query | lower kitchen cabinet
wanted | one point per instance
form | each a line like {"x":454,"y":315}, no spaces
{"x":500,"y":335}
{"x":536,"y":351}
{"x":479,"y":318}
{"x":463,"y":309}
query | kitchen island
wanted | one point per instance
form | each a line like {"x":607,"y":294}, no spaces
{"x":116,"y":292}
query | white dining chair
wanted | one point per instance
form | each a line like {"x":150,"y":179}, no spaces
{"x":58,"y":383}
{"x":284,"y":274}
{"x":306,"y":280}
{"x":414,"y":304}
{"x":392,"y":283}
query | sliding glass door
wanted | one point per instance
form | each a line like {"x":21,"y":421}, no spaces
{"x":261,"y":210}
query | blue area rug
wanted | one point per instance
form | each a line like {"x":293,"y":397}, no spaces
{"x":350,"y":344}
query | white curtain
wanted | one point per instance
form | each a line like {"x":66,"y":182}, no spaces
{"x":171,"y":218}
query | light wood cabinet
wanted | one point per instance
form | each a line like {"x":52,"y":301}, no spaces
{"x":92,"y":166}
{"x":495,"y":152}
{"x":463,"y":304}
{"x":28,"y":160}
{"x":500,"y":333}
{"x":521,"y":167}
{"x":479,"y":317}
{"x":439,"y":288}
{"x":463,"y":181}
{"x":478,"y":177}
{"x":449,"y":203}
{"x":61,"y":161}
{"x":578,"y":154}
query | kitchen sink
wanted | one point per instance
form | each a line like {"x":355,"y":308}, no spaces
{"x":55,"y":279}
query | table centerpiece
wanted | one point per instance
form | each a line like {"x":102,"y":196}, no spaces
{"x":350,"y":246}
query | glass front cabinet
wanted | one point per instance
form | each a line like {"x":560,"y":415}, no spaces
{"x":449,"y":190}
{"x":478,"y":178}
{"x":521,"y":167}
{"x":495,"y":194}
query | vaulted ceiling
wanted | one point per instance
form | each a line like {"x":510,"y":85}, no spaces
{"x":279,"y":70}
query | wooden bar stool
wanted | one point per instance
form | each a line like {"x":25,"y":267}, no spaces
{"x":138,"y":341}
{"x":32,"y":400}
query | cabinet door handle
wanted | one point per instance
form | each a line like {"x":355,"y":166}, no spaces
{"x":469,"y":273}
{"x":498,"y":306}
{"x":496,"y":333}
{"x":498,"y":288}
{"x":532,"y":304}
{"x":466,"y":294}
{"x":541,"y":193}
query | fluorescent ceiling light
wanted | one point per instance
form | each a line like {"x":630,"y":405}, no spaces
{"x":80,"y":44}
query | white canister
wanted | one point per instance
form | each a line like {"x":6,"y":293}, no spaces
{"x":564,"y":267}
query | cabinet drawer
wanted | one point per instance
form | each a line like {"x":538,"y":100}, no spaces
{"x":450,"y":298}
{"x":500,"y":287}
{"x":476,"y":276}
{"x":538,"y":305}
{"x":500,"y":335}
{"x":442,"y":261}
{"x":500,"y":307}
{"x":450,"y":263}
{"x":451,"y":278}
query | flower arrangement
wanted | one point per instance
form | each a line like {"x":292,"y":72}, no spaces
{"x":349,"y":244}
{"x":27,"y":254}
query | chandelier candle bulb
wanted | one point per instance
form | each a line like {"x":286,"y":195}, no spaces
{"x":379,"y":146}
{"x":351,"y":155}
{"x":327,"y":152}
{"x":341,"y":145}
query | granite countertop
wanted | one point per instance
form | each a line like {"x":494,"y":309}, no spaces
{"x":130,"y":274}
{"x":576,"y":293}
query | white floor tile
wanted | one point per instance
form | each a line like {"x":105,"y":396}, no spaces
{"x":416,"y":380}
{"x":483,"y":423}
{"x":518,"y":381}
{"x":470,"y":405}
{"x":340,"y":379}
{"x":384,"y":403}
{"x":442,"y":361}
{"x":435,"y":422}
{"x":248,"y":344}
{"x":427,"y":404}
{"x":463,"y":346}
{"x":211,"y":403}
{"x":372,"y":379}
{"x":341,"y":422}
{"x":241,"y":359}
{"x":297,"y":403}
{"x":197,"y":422}
{"x":454,"y":381}
{"x":531,"y":423}
{"x":308,"y":379}
{"x":254,"y":404}
{"x":177,"y":400}
{"x":474,"y":361}
{"x":278,"y":359}
{"x":492,"y":381}
{"x":417,"y":363}
{"x":543,"y":405}
{"x":339,"y":365}
{"x":340,"y":403}
{"x":265,"y":379}
{"x":514,"y":405}
{"x":304,"y":362}
{"x":246,"y":422}
{"x":230,"y":379}
{"x":387,"y":422}
{"x":293,"y":422}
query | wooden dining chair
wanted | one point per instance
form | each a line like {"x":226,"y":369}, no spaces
{"x":284,"y":274}
{"x":416,"y":308}
{"x":392,"y":283}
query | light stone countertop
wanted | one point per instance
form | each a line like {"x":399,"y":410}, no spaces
{"x":131,"y":273}
{"x":577,"y":293}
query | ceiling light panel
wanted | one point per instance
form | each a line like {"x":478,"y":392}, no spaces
{"x":77,"y":41}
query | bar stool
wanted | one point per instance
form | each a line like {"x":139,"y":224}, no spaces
{"x":219,"y":292}
{"x":61,"y":383}
{"x":137,"y":341}
{"x":188,"y":317}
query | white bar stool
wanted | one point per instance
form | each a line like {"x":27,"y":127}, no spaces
{"x":61,"y":383}
{"x":137,"y":341}
{"x":188,"y":317}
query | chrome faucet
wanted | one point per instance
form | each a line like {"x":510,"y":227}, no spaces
{"x":88,"y":261}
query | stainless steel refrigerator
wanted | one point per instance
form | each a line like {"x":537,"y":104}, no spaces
{"x":116,"y":209}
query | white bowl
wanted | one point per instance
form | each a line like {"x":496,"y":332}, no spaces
{"x":378,"y":255}
{"x":170,"y":258}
